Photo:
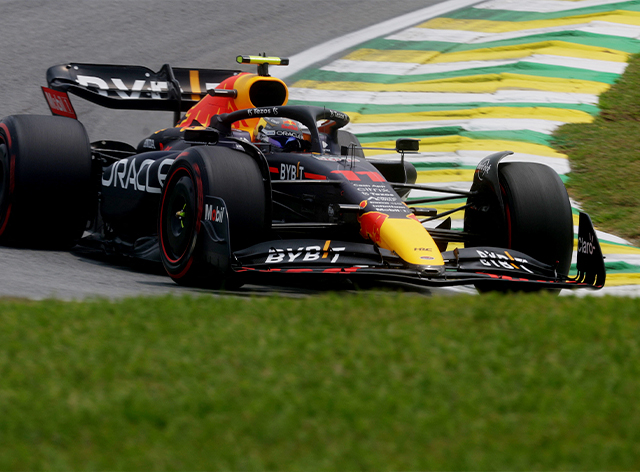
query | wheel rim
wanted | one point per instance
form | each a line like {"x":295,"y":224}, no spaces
{"x":179,"y":219}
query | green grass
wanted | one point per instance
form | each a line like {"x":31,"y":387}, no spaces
{"x":605,"y":158}
{"x":367,"y":382}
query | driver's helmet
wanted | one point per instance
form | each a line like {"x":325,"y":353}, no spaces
{"x":282,"y":133}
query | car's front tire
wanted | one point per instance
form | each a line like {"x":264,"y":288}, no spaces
{"x":220,"y":172}
{"x":537,"y":219}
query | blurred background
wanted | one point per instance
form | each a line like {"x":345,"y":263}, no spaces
{"x":201,"y":34}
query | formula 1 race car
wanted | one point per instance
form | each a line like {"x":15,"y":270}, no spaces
{"x":245,"y":188}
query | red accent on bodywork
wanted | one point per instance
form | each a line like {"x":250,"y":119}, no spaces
{"x":506,"y":277}
{"x":209,"y":106}
{"x":353,"y":176}
{"x":326,"y":127}
{"x":370,"y":224}
{"x":311,"y":176}
{"x":348,"y":174}
{"x":338,"y":270}
{"x":333,"y":270}
{"x":374,"y":176}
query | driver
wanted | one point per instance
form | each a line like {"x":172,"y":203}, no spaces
{"x":283,"y":133}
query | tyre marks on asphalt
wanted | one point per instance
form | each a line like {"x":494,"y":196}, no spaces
{"x":497,"y":75}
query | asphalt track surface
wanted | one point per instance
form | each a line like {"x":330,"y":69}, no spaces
{"x":201,"y":34}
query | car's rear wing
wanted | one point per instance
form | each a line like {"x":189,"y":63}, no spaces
{"x":133,"y":87}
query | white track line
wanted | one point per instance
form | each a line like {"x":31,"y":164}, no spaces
{"x":471,"y":159}
{"x":478,"y":37}
{"x":543,"y":6}
{"x":419,"y":98}
{"x":414,"y":68}
{"x":324,"y":51}
{"x":472,"y":124}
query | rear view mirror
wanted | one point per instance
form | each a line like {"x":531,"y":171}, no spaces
{"x":407,"y":144}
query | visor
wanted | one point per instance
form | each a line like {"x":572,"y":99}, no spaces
{"x":283,"y":141}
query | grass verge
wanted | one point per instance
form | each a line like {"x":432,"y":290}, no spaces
{"x":367,"y":382}
{"x":605,"y":158}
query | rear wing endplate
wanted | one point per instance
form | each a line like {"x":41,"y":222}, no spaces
{"x":136,"y":87}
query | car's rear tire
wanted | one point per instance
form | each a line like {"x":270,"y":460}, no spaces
{"x":221,"y":172}
{"x":538,"y":216}
{"x":45,"y":181}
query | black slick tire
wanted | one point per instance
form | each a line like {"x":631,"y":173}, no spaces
{"x":221,"y":172}
{"x":538,"y":220}
{"x":45,"y":181}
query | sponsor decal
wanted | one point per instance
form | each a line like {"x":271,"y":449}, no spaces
{"x":291,"y":171}
{"x":262,"y":111}
{"x":584,"y":246}
{"x":290,"y":124}
{"x":382,"y":198}
{"x":304,"y":254}
{"x":502,"y":261}
{"x":500,"y":256}
{"x":59,"y":103}
{"x":483,"y":168}
{"x":149,"y":144}
{"x":280,"y":132}
{"x":124,"y":174}
{"x":333,"y":158}
{"x":214,"y":213}
{"x":151,"y":87}
{"x":338,"y":114}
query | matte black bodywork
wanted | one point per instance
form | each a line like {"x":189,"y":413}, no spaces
{"x":326,"y":203}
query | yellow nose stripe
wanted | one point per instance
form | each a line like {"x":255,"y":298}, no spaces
{"x":410,"y":241}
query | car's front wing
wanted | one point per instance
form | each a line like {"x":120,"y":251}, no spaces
{"x":484,"y":267}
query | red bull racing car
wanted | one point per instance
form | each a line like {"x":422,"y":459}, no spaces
{"x":247,"y":188}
